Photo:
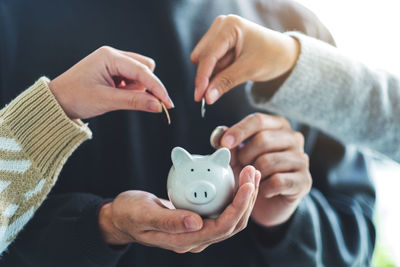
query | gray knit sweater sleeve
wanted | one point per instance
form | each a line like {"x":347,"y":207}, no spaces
{"x":340,"y":96}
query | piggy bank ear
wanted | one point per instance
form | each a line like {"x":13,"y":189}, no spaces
{"x":179,"y":156}
{"x":221,"y":157}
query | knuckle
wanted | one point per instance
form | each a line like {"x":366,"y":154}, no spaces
{"x":270,"y":160}
{"x":178,"y":244}
{"x":142,"y":68}
{"x":258,"y":118}
{"x":306,"y":159}
{"x":133,"y":102}
{"x":151,"y":63}
{"x":225,"y":81}
{"x":220,"y":18}
{"x":180,"y":251}
{"x":226,"y":230}
{"x":170,"y":224}
{"x":263,"y":139}
{"x":243,"y":226}
{"x":198,"y":250}
{"x":299,"y":137}
{"x":278,"y":181}
{"x":262,"y":163}
{"x":285,"y":122}
{"x":288,"y":183}
{"x":233,"y":19}
{"x":309,"y":182}
{"x":193,"y":57}
{"x":230,"y":231}
{"x":105,"y":49}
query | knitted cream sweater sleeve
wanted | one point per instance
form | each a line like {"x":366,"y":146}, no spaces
{"x":36,"y":138}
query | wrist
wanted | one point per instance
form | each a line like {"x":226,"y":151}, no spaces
{"x":109,"y":232}
{"x":292,"y":51}
{"x":55,"y":88}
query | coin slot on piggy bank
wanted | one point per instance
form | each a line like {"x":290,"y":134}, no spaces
{"x":203,"y":184}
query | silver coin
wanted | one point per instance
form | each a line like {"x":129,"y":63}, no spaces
{"x":216,"y":135}
{"x":203,"y":107}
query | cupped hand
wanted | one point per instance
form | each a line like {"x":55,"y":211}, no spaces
{"x":137,"y":216}
{"x":107,"y":80}
{"x":268,"y":143}
{"x":235,"y":50}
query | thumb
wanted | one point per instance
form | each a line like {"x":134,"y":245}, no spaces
{"x":175,"y":221}
{"x":225,"y":81}
{"x":120,"y":99}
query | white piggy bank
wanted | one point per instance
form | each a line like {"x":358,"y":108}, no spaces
{"x":203,"y":184}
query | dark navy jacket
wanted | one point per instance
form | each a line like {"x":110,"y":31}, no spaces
{"x":131,"y":150}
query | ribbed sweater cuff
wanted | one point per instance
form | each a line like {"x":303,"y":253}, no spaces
{"x":303,"y":82}
{"x":43,"y":130}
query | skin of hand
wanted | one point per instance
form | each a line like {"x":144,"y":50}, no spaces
{"x":109,"y":79}
{"x":277,"y":151}
{"x":141,"y":217}
{"x":235,"y":50}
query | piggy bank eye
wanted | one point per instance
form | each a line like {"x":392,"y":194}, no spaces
{"x":208,"y":170}
{"x":192,"y":170}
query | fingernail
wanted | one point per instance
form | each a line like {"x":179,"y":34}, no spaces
{"x":213,"y":95}
{"x":172,"y":104}
{"x":229,"y":140}
{"x":191,"y":224}
{"x":154,"y":106}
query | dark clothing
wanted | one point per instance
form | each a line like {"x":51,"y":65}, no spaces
{"x":131,"y":150}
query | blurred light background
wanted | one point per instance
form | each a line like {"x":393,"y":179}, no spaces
{"x":369,"y":31}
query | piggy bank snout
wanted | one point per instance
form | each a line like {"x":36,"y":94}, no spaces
{"x":200,"y":192}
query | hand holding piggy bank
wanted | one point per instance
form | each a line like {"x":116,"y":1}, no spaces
{"x":203,"y":184}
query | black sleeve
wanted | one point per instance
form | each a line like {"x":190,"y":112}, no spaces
{"x":66,"y":233}
{"x":333,"y":225}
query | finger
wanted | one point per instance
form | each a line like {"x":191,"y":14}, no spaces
{"x":224,"y":81}
{"x":227,"y":221}
{"x":242,"y":224}
{"x":172,"y":221}
{"x":131,"y":69}
{"x":200,"y":248}
{"x":205,"y":68}
{"x":225,"y":61}
{"x":287,"y":184}
{"x":134,"y":86}
{"x":278,"y":162}
{"x":205,"y":40}
{"x":269,"y":141}
{"x":149,"y":62}
{"x":212,"y":47}
{"x":249,"y":126}
{"x":132,"y":100}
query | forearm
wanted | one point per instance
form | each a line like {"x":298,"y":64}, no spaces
{"x":36,"y":138}
{"x":340,"y":96}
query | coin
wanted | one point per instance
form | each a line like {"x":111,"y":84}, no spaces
{"x":203,"y":107}
{"x":216,"y":135}
{"x":166,"y":112}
